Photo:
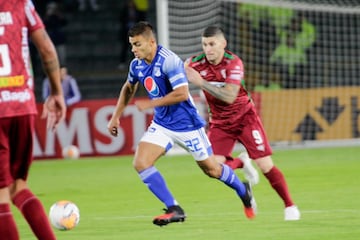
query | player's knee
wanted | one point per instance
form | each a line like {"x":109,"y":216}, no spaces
{"x":265,"y":164}
{"x":137,"y":166}
{"x":212,"y":172}
{"x":211,"y":167}
{"x":140,"y":165}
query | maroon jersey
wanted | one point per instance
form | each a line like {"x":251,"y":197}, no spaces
{"x":229,"y":70}
{"x":18,"y":19}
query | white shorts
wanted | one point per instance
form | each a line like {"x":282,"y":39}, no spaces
{"x":195,"y":142}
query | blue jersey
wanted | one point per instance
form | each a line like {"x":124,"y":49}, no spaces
{"x":165,"y":73}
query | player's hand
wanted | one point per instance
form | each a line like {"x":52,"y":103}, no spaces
{"x":193,"y":76}
{"x":113,"y":127}
{"x":143,"y":104}
{"x":54,"y":109}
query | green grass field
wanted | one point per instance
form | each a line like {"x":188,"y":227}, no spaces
{"x":114,"y":203}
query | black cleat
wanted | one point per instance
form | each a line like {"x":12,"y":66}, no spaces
{"x":250,"y":207}
{"x":172,"y":214}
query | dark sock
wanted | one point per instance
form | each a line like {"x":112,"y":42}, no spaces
{"x":278,"y":182}
{"x":8,"y":230}
{"x":34,"y":213}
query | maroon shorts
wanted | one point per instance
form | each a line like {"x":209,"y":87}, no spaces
{"x":249,"y":131}
{"x":16,"y":148}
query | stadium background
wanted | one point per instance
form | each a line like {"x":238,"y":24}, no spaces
{"x":301,"y":60}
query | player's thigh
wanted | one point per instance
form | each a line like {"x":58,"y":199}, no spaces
{"x":221,"y":141}
{"x":154,"y":143}
{"x":5,"y":173}
{"x":15,"y":154}
{"x":254,"y":138}
{"x":146,"y":155}
{"x":22,"y":151}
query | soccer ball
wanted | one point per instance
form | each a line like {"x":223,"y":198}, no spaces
{"x":71,"y":152}
{"x":64,"y":215}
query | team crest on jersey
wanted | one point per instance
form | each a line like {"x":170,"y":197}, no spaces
{"x":157,"y":72}
{"x":203,"y":73}
{"x":223,"y":73}
{"x":151,"y":87}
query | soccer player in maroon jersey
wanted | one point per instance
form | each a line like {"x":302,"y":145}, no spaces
{"x":18,"y":21}
{"x":219,"y":73}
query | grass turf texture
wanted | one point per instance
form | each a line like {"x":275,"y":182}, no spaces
{"x":115,"y":204}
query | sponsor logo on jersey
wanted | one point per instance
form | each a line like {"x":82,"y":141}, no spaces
{"x":261,"y":147}
{"x":13,"y":81}
{"x":151,"y":87}
{"x":9,"y":96}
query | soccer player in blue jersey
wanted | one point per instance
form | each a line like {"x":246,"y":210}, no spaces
{"x":176,"y":120}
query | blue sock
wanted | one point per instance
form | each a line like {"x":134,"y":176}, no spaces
{"x":229,"y":178}
{"x":156,"y":183}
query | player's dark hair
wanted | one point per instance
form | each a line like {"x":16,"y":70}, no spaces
{"x":212,"y":31}
{"x":141,"y":28}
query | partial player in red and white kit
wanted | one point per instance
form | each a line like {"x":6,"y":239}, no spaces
{"x":233,"y":117}
{"x":18,"y":22}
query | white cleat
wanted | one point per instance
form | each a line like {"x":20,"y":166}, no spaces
{"x":292,"y":213}
{"x":250,"y":172}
